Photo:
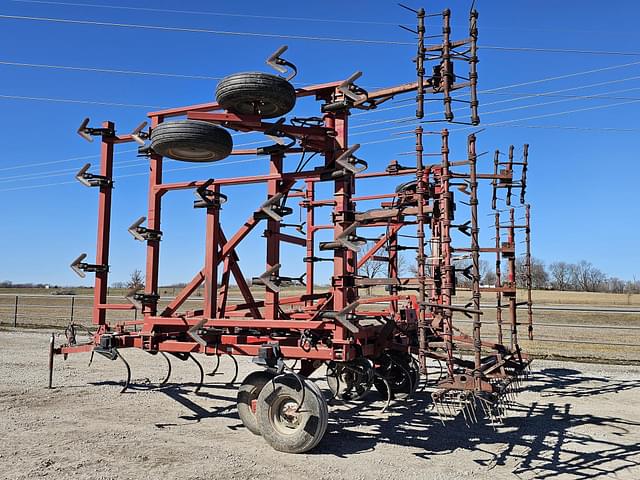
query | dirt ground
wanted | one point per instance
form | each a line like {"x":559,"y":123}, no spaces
{"x":575,"y":421}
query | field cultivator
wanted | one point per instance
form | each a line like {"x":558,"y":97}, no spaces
{"x":398,"y":343}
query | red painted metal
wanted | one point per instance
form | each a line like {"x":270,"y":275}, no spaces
{"x":104,"y":226}
{"x":339,"y":322}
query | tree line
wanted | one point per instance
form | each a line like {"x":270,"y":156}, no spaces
{"x":581,"y":276}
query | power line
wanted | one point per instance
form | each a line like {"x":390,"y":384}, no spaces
{"x":560,"y":77}
{"x":386,"y":121}
{"x":570,"y":127}
{"x":521,"y":107}
{"x":217,"y":14}
{"x":64,"y":160}
{"x":552,"y":102}
{"x":586,"y":109}
{"x":563,"y":50}
{"x":393,"y":139}
{"x":515,"y":120}
{"x":27,"y":187}
{"x":120,"y":71}
{"x":203,"y":30}
{"x":63,"y":172}
{"x":109,"y":70}
{"x":355,"y":114}
{"x":208,"y":77}
{"x":302,"y":37}
{"x":551,"y":95}
{"x":598,"y":84}
{"x":296,"y":19}
{"x":56,"y":173}
{"x":82,"y":102}
{"x":87,"y":157}
{"x":492,"y":90}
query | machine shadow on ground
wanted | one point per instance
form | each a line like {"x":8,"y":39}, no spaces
{"x":543,"y":439}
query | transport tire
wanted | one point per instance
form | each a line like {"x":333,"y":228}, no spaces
{"x":324,"y":422}
{"x":255,"y":93}
{"x":283,"y":425}
{"x":191,"y":141}
{"x":248,"y":393}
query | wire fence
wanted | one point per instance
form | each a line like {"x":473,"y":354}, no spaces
{"x":599,"y":332}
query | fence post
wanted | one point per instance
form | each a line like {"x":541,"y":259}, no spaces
{"x":15,"y":313}
{"x":73,"y":301}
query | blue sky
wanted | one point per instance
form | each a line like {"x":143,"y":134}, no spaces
{"x":583,"y":177}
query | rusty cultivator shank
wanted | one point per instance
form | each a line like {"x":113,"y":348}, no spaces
{"x":398,"y":333}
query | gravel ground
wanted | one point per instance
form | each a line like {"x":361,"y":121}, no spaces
{"x":577,"y":421}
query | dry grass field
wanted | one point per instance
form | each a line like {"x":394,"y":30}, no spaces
{"x":606,"y":335}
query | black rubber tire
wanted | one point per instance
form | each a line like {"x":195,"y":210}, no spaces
{"x":323,"y":421}
{"x":255,"y":93}
{"x":409,"y":186}
{"x":311,"y":418}
{"x":191,"y":141}
{"x":249,"y":390}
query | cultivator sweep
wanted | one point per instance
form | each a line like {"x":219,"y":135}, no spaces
{"x":399,"y":342}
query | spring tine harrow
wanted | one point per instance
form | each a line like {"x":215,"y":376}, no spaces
{"x":166,"y":378}
{"x":388,"y":390}
{"x":201,"y":370}
{"x":236,"y":370}
{"x":169,"y":368}
{"x":126,"y":364}
{"x":215,"y":369}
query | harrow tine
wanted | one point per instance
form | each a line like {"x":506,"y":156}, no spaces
{"x":407,"y":375}
{"x":166,"y":378}
{"x":473,"y":404}
{"x":462,"y":405}
{"x":435,"y":402}
{"x":486,"y":410}
{"x":215,"y":369}
{"x":449,"y":404}
{"x":388,"y":388}
{"x":201,"y":382}
{"x":126,"y":364}
{"x":440,"y":413}
{"x":236,"y":369}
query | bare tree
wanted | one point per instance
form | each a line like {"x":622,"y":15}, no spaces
{"x":489,"y":278}
{"x":616,"y":285}
{"x":372,"y":268}
{"x":587,"y":278}
{"x":539,"y":275}
{"x":560,"y":275}
{"x":464,"y":272}
{"x":136,"y":280}
{"x":632,"y":286}
{"x":405,"y":265}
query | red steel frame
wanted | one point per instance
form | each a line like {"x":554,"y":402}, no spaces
{"x":343,"y":324}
